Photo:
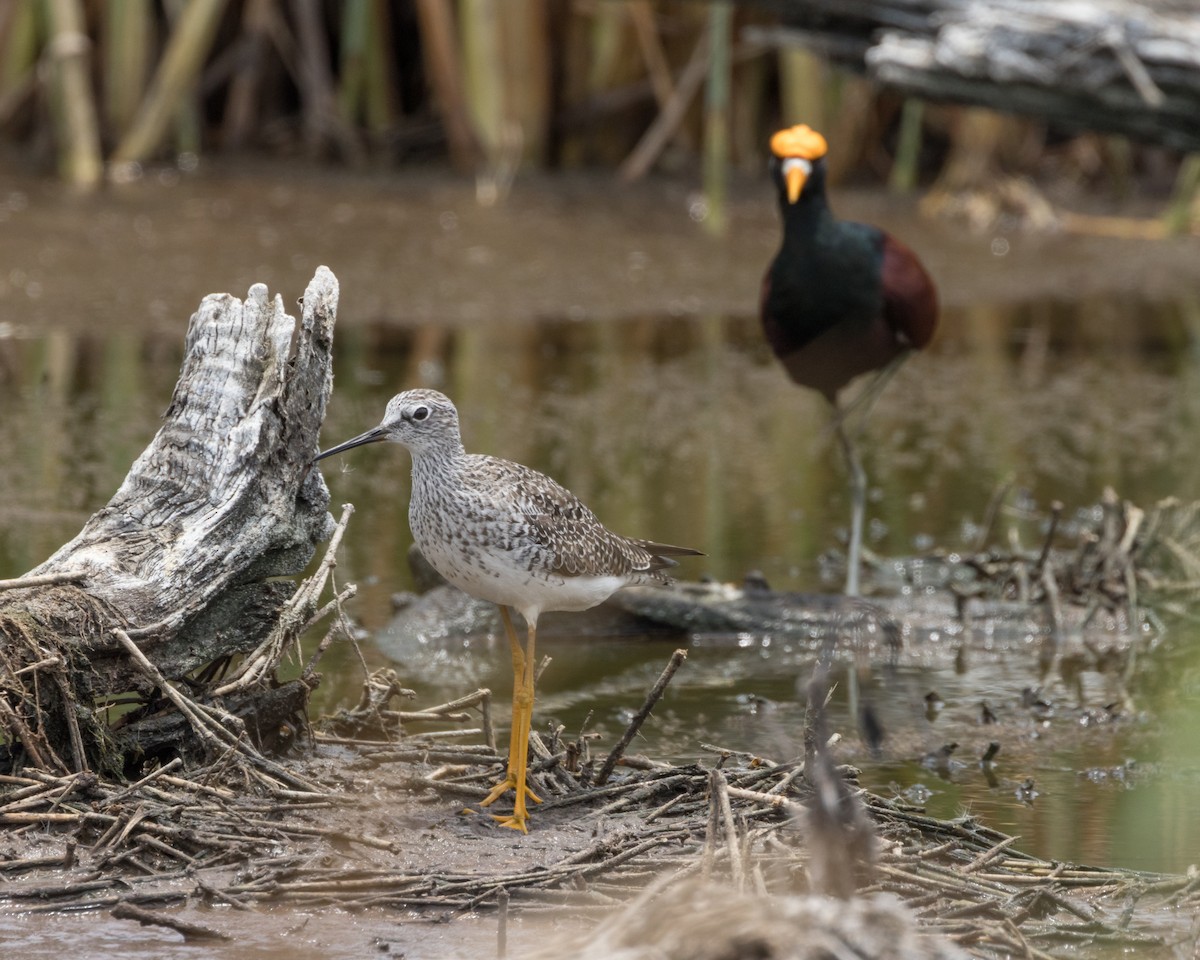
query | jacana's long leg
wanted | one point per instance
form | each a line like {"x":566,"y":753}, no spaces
{"x":860,"y":405}
{"x":858,"y":504}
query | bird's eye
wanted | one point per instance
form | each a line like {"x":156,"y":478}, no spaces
{"x":421,"y":413}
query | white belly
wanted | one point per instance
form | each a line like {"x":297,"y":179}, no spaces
{"x":488,"y":577}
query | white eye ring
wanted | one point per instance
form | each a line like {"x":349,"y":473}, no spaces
{"x":421,"y":413}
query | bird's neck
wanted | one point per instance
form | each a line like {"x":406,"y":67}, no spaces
{"x":806,"y":218}
{"x":436,"y":469}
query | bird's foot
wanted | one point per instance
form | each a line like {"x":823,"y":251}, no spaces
{"x":508,"y":783}
{"x":512,"y":821}
{"x":519,"y":817}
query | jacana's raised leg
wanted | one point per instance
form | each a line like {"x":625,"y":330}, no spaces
{"x":522,"y":717}
{"x":858,"y":504}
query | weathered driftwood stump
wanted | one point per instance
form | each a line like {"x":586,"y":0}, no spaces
{"x":177,"y":575}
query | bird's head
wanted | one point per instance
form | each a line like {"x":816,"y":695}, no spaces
{"x":421,"y":420}
{"x":795,"y":153}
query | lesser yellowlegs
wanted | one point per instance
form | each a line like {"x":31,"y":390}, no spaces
{"x":503,"y":532}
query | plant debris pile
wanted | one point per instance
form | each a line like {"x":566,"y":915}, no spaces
{"x":616,"y":849}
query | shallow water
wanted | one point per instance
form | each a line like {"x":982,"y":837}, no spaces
{"x":599,"y":336}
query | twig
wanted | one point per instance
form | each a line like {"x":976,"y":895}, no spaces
{"x":40,"y":665}
{"x":18,"y":816}
{"x":292,"y":619}
{"x":33,"y":743}
{"x":443,"y":753}
{"x":727,"y":752}
{"x":210,"y":723}
{"x":218,"y":894}
{"x":639,"y":161}
{"x":989,"y":855}
{"x":78,"y":753}
{"x":219,"y":792}
{"x":710,"y":834}
{"x":790,"y":807}
{"x":190,"y":931}
{"x":163,"y":847}
{"x":46,"y":580}
{"x":639,"y":718}
{"x":481,"y":698}
{"x":187,"y":707}
{"x":154,"y":774}
{"x":665,"y":808}
{"x":326,"y":641}
{"x":470,"y":700}
{"x":551,"y":764}
{"x":782,"y":785}
{"x":30,"y":796}
{"x":1050,"y":585}
{"x":664,"y":780}
{"x":720,"y":789}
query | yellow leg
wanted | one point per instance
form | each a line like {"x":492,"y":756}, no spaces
{"x":522,"y":719}
{"x":518,"y":662}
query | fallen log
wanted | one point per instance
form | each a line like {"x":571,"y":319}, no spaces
{"x":1130,"y":67}
{"x":184,"y":559}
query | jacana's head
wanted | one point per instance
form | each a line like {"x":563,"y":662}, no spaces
{"x":421,"y":420}
{"x":796,"y":155}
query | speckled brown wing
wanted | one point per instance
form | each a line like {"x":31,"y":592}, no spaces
{"x":597,"y":552}
{"x":577,"y":544}
{"x":570,"y":540}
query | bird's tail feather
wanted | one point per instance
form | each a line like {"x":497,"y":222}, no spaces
{"x":667,"y":550}
{"x":661,"y":553}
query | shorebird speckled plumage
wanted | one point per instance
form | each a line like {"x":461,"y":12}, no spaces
{"x":506,"y":533}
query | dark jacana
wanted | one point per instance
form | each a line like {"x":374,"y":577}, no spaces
{"x":840,"y":299}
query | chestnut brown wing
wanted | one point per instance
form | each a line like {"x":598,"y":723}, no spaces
{"x":910,"y":303}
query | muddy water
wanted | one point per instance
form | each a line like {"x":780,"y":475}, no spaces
{"x":599,"y":335}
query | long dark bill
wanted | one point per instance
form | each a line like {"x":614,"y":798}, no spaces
{"x":373,"y":435}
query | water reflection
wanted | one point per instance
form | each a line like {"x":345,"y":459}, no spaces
{"x":681,"y":429}
{"x":684,"y":429}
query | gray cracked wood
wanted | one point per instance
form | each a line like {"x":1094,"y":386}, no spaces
{"x":222,"y":499}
